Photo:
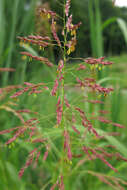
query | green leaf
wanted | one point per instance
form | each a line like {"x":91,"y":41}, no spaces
{"x":123,"y":26}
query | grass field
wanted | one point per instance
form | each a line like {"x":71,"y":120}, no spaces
{"x":11,"y":160}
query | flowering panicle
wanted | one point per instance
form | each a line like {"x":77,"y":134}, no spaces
{"x":90,"y":83}
{"x":94,"y":61}
{"x":67,"y":7}
{"x":59,"y":78}
{"x":35,"y":40}
{"x":18,"y":133}
{"x":42,"y":59}
{"x":77,"y":132}
{"x":100,"y":156}
{"x":72,"y":27}
{"x":47,"y":38}
{"x":104,"y":120}
{"x":67,"y":144}
{"x":113,"y":182}
{"x":86,"y":123}
{"x":71,"y":45}
{"x":53,"y":28}
{"x":28,"y":163}
{"x":8,"y":130}
{"x":69,"y":23}
{"x":8,"y":89}
{"x":33,"y":88}
{"x":43,"y":12}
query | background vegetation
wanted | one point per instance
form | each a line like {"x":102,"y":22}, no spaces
{"x":103,"y":32}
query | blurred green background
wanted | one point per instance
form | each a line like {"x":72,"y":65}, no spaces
{"x":103,"y":33}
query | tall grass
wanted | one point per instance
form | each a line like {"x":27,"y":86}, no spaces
{"x":39,"y":179}
{"x":95,"y":28}
{"x":14,"y":21}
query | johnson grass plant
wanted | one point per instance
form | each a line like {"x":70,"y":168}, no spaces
{"x":69,"y":142}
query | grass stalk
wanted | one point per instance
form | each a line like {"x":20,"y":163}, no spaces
{"x":11,"y":40}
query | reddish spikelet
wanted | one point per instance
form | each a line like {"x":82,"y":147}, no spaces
{"x":34,"y":150}
{"x":104,"y":90}
{"x":103,"y":111}
{"x":89,"y":80}
{"x":45,"y":87}
{"x":37,"y":157}
{"x":92,"y":130}
{"x":42,"y":59}
{"x":8,"y":130}
{"x":110,"y":155}
{"x":81,"y":67}
{"x":85,"y":149}
{"x":54,"y":186}
{"x":87,"y":123}
{"x":104,"y":120}
{"x":32,"y":131}
{"x":39,"y":37}
{"x":54,"y":90}
{"x":66,"y":102}
{"x":17,"y":94}
{"x":100,"y":156}
{"x":61,"y":184}
{"x":104,"y":180}
{"x":36,"y":42}
{"x":76,"y":130}
{"x":110,"y":146}
{"x":60,"y":71}
{"x":18,"y":133}
{"x":28,"y":84}
{"x":38,"y":140}
{"x":23,"y":111}
{"x":7,"y":69}
{"x":43,"y":11}
{"x":118,"y":125}
{"x":75,"y":26}
{"x":28,"y":163}
{"x":60,"y":66}
{"x":80,"y":111}
{"x":93,"y":61}
{"x":95,"y":101}
{"x":30,"y":120}
{"x":54,"y":33}
{"x":67,"y":144}
{"x":69,"y":23}
{"x":69,"y":154}
{"x":45,"y":155}
{"x":59,"y":111}
{"x":81,"y":83}
{"x":67,"y":7}
{"x":77,"y":156}
{"x":120,"y":157}
{"x":34,"y":91}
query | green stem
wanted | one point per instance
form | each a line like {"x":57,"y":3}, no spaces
{"x":64,"y":59}
{"x":11,"y":42}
